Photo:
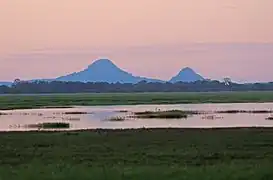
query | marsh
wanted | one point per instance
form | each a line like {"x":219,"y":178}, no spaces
{"x":94,"y":116}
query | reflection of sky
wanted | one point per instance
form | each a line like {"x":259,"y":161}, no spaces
{"x":156,"y":27}
{"x":99,"y":116}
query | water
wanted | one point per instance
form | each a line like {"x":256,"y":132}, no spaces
{"x":16,"y":120}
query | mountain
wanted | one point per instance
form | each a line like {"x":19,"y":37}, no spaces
{"x":186,"y":75}
{"x":104,"y":70}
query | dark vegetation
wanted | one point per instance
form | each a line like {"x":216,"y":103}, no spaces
{"x":162,"y":154}
{"x":123,"y":111}
{"x":91,"y":99}
{"x":49,"y":125}
{"x":53,"y":107}
{"x":244,"y":111}
{"x":116,"y":118}
{"x":212,"y":117}
{"x":171,"y":114}
{"x":79,"y":87}
{"x":177,"y":114}
{"x":75,"y":113}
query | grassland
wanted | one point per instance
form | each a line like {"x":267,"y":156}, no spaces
{"x":162,"y":154}
{"x":66,"y":100}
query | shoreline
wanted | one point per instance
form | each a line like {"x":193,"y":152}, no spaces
{"x":140,"y":104}
{"x":139,"y":130}
{"x":13,"y":102}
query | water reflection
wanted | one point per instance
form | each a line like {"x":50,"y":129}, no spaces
{"x":96,"y":117}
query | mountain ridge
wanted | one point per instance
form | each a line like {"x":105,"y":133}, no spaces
{"x":104,"y":70}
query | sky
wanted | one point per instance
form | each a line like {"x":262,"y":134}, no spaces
{"x":153,"y":38}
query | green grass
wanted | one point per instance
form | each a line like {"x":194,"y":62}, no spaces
{"x":49,"y":125}
{"x":163,"y":154}
{"x":60,"y":100}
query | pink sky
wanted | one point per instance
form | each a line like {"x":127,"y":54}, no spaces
{"x":155,"y":38}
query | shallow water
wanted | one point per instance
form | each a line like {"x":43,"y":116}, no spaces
{"x":16,"y":120}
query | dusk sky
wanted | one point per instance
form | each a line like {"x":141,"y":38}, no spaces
{"x":153,"y":38}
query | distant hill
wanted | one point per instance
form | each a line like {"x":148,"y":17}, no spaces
{"x":103,"y":70}
{"x":186,"y":75}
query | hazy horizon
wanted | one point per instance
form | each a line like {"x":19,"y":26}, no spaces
{"x":151,"y":38}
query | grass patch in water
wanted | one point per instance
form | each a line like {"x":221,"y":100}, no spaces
{"x":123,"y":111}
{"x":76,"y":112}
{"x":3,"y":114}
{"x":49,"y":125}
{"x":72,"y":119}
{"x":212,"y":117}
{"x":170,"y":114}
{"x":117,"y":118}
{"x":244,"y":111}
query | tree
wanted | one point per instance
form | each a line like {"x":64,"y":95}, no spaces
{"x":227,"y":81}
{"x":16,"y":81}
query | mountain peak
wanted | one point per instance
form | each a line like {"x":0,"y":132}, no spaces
{"x":187,"y":75}
{"x":102,"y":63}
{"x":187,"y":69}
{"x":103,"y":70}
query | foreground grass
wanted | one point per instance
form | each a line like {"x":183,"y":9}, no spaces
{"x":163,"y":154}
{"x":67,"y":100}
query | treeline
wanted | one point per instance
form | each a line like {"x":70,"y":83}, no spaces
{"x":79,"y":87}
